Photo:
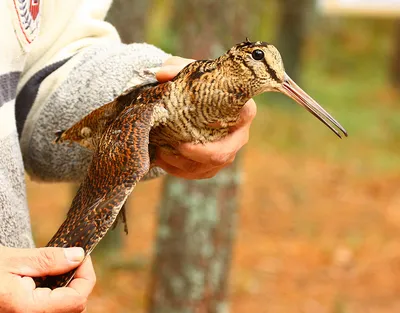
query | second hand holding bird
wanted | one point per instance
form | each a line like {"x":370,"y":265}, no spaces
{"x":201,"y":161}
{"x":207,"y":103}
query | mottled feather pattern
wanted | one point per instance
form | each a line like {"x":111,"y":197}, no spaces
{"x":125,"y":132}
{"x":112,"y":175}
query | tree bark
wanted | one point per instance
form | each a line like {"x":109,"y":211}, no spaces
{"x":129,"y":17}
{"x":395,"y":68}
{"x":197,"y":222}
{"x":292,"y":32}
{"x":207,"y":28}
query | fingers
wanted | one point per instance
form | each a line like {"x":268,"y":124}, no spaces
{"x":171,"y":67}
{"x":203,"y":160}
{"x":247,"y":115}
{"x":68,"y":299}
{"x":221,"y":152}
{"x":199,"y":161}
{"x":60,"y":300}
{"x":85,"y":278}
{"x":182,"y":162}
{"x":182,"y":167}
{"x":179,"y":61}
{"x":22,"y":294}
{"x":41,"y":261}
{"x":218,"y":153}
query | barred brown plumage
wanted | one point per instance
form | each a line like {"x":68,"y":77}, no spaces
{"x":124,"y":132}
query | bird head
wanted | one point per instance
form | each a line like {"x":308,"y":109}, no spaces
{"x":260,"y":67}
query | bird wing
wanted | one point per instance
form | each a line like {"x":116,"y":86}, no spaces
{"x":119,"y":162}
{"x":88,"y":131}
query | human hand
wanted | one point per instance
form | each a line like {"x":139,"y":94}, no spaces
{"x":18,"y":292}
{"x":205,"y":160}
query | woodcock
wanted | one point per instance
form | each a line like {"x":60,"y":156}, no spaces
{"x":124,"y":133}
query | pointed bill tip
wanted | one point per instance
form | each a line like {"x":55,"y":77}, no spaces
{"x":292,"y":90}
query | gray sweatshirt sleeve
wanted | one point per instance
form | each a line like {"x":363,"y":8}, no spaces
{"x":93,"y":77}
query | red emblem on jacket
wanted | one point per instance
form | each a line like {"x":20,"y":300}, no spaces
{"x":34,"y":8}
{"x":28,"y":17}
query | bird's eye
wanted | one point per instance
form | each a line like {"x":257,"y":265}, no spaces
{"x":257,"y":54}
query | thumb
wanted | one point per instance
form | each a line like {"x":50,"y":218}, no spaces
{"x":171,"y":67}
{"x":41,"y":261}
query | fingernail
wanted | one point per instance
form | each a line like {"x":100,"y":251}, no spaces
{"x":75,"y":254}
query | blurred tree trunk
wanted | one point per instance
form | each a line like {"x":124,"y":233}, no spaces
{"x":197,"y":218}
{"x":292,"y":32}
{"x":396,"y":56}
{"x":129,"y":17}
{"x":197,"y":223}
{"x":207,"y":28}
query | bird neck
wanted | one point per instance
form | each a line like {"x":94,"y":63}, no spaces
{"x":214,"y":88}
{"x":219,"y":99}
{"x":231,"y":90}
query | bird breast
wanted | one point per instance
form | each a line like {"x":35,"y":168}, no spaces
{"x":183,"y":117}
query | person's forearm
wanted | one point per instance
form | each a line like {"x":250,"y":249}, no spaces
{"x":99,"y":74}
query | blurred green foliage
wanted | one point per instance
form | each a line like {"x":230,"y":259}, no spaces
{"x":346,"y":68}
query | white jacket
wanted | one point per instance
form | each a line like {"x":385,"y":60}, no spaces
{"x":58,"y":61}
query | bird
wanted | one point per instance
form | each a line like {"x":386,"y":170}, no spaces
{"x":124,"y":133}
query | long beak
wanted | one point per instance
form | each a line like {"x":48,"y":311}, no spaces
{"x":291,"y":89}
